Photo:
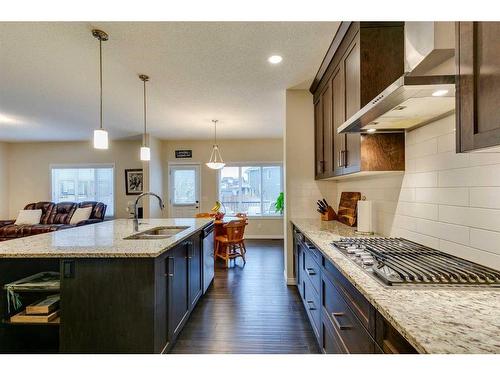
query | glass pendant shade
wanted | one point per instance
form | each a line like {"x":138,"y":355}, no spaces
{"x":101,"y":139}
{"x":145,"y":153}
{"x":215,"y":161}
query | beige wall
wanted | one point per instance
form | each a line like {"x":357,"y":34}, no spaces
{"x":301,"y":190}
{"x":153,"y":179}
{"x":29,"y":175}
{"x":4,"y":181}
{"x":247,"y":150}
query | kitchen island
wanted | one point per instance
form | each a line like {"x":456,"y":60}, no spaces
{"x":120,"y":292}
{"x":431,"y":319}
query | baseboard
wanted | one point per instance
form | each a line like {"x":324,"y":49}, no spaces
{"x":264,"y":236}
{"x":289,"y":280}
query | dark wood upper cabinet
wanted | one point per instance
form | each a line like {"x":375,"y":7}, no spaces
{"x":478,"y":85}
{"x":367,"y":57}
{"x":326,"y":99}
{"x":338,"y":100}
{"x":318,"y":138}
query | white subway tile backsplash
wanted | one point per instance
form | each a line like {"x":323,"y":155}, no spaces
{"x":444,"y":200}
{"x":446,"y":142}
{"x":485,"y":240}
{"x":456,"y":233}
{"x":470,"y":253}
{"x":421,"y":210}
{"x":486,"y":197}
{"x":436,"y":129}
{"x":407,"y":195}
{"x":429,"y":179}
{"x":442,"y":161}
{"x":471,"y":217}
{"x":449,"y":196}
{"x":488,"y":175}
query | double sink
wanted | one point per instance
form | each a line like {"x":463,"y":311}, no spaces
{"x":157,"y":233}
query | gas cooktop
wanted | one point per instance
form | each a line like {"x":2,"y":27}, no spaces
{"x":397,"y":261}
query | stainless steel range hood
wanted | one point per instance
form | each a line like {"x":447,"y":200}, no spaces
{"x":409,"y":102}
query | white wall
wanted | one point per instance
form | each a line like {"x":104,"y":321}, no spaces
{"x":243,"y":150}
{"x":4,"y":181}
{"x":153,"y":180}
{"x":445,"y":200}
{"x":301,"y":190}
{"x":29,"y":175}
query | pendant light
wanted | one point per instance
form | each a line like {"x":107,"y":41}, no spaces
{"x":215,"y":161}
{"x":100,"y":135}
{"x":145,"y":150}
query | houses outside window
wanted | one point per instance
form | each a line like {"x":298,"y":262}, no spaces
{"x":84,"y":183}
{"x":251,"y":189}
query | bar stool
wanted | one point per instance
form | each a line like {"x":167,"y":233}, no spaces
{"x":231,"y":245}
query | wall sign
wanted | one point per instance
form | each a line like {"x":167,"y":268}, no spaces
{"x":183,"y":154}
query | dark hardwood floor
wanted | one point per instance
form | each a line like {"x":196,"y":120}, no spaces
{"x":249,"y":309}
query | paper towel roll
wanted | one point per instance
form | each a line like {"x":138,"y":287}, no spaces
{"x":365,"y":216}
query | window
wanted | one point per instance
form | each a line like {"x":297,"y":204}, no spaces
{"x":84,"y":183}
{"x":252,"y":189}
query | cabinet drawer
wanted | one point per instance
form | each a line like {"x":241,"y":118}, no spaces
{"x":312,"y":270}
{"x":352,"y":334}
{"x":353,"y":297}
{"x":312,"y":305}
{"x":330,"y":340}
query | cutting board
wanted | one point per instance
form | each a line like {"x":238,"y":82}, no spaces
{"x":347,"y":212}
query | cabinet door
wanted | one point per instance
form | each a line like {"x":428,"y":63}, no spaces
{"x":178,"y":288}
{"x":318,"y":138}
{"x":352,"y":67}
{"x":195,"y":270}
{"x":478,"y":86}
{"x":338,"y":105}
{"x":326,"y":99}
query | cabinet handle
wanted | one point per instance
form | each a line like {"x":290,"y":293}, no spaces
{"x":311,"y":304}
{"x":337,"y":323}
{"x":170,"y":267}
{"x":310,"y":271}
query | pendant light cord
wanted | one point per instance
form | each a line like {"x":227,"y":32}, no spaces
{"x":100,"y":82}
{"x":215,"y":138}
{"x":144,"y":140}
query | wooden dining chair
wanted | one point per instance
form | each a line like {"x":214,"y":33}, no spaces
{"x":232,"y":244}
{"x":203,"y":214}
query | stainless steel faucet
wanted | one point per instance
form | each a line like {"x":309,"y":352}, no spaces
{"x":136,"y":221}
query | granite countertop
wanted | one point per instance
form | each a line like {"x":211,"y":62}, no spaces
{"x":102,"y":240}
{"x":432,"y":319}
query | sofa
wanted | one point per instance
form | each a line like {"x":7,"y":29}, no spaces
{"x":55,"y":216}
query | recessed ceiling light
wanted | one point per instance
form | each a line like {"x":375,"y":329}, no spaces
{"x":440,"y":93}
{"x":371,"y":130}
{"x":275,"y":59}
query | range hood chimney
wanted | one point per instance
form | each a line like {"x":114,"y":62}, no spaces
{"x":422,"y":94}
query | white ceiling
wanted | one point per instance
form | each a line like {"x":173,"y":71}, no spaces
{"x":199,"y":71}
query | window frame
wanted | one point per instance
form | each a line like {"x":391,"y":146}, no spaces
{"x":259,"y":164}
{"x":83,"y":166}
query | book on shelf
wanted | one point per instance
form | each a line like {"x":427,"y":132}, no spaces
{"x":39,"y":282}
{"x":44,"y":306}
{"x":23,"y":317}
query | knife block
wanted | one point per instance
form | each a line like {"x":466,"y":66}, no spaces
{"x":329,"y":215}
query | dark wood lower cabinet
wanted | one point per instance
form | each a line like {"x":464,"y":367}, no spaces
{"x":195,"y":260}
{"x":341,"y":317}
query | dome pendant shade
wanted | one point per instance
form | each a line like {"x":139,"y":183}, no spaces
{"x":215,"y":161}
{"x":145,"y":153}
{"x":100,"y":139}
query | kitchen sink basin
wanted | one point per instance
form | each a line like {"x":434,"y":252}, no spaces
{"x":157,"y":233}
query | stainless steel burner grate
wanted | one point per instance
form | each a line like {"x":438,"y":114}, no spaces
{"x":400,"y":261}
